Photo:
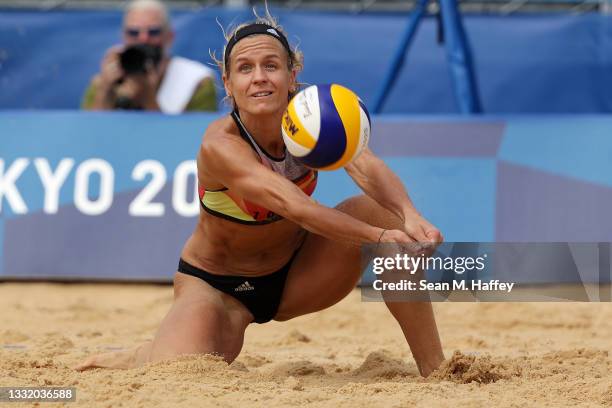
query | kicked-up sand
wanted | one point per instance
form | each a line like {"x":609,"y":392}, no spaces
{"x":351,"y":355}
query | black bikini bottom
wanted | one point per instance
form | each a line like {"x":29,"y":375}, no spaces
{"x":261,"y":295}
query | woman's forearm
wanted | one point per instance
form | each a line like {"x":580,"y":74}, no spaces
{"x":334,"y":224}
{"x":379,"y":182}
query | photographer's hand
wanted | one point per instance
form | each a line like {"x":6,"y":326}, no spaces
{"x":153,"y":79}
{"x":110,"y":69}
{"x":110,"y":74}
{"x":142,"y":88}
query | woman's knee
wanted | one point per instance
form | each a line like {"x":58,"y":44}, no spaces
{"x":200,"y":324}
{"x":366,"y":209}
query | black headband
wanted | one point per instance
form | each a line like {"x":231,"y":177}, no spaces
{"x":252,"y":29}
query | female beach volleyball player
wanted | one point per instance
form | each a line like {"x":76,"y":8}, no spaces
{"x":263,"y":249}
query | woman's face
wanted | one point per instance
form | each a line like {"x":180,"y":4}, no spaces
{"x":259,"y":79}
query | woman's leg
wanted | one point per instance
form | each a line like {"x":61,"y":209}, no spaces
{"x":324,"y":272}
{"x":202,"y":320}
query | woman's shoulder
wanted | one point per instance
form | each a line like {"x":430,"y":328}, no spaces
{"x":222,"y":148}
{"x":223,"y":137}
{"x":221,"y":128}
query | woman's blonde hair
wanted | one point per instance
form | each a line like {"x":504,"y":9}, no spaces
{"x":295,"y":58}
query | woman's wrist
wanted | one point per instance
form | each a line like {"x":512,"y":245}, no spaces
{"x":409,"y":212}
{"x":380,"y":238}
{"x":376,"y":235}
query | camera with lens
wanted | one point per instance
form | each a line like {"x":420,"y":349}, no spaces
{"x":135,"y":59}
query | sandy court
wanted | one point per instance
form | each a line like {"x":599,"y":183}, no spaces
{"x":352,"y":355}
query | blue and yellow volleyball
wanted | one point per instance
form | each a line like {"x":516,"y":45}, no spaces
{"x":326,"y":126}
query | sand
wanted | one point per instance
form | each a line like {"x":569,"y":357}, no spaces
{"x":351,"y":355}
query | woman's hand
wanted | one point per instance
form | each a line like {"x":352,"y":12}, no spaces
{"x":399,"y":242}
{"x":396,"y":237}
{"x":419,"y":235}
{"x":422,"y":231}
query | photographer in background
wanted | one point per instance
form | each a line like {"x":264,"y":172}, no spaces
{"x":141,"y":75}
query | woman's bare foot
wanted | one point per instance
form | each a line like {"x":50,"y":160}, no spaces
{"x":431,"y":365}
{"x":119,"y":359}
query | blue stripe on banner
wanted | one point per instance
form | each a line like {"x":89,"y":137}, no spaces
{"x":578,"y":147}
{"x":434,"y":182}
{"x":469,"y":184}
{"x":328,"y":149}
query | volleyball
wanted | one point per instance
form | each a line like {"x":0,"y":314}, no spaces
{"x":326,"y":126}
